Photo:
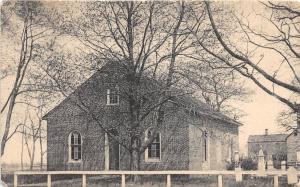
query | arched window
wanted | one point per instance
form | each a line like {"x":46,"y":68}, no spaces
{"x":153,"y":152}
{"x":75,"y":146}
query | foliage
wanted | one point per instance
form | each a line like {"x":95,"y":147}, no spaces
{"x":245,"y":163}
{"x":277,"y":159}
{"x":248,"y":164}
{"x":230,"y":165}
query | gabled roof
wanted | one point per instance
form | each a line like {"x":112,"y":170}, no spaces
{"x":104,"y":69}
{"x":188,"y":101}
{"x":267,"y":138}
{"x":195,"y":105}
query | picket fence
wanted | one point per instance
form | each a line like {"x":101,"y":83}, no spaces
{"x":291,"y":174}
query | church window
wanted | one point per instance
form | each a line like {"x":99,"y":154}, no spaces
{"x":75,"y":146}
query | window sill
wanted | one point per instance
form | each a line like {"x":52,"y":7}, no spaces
{"x":114,"y":104}
{"x":152,"y":160}
{"x":74,"y":162}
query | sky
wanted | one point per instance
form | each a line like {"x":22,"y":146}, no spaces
{"x":261,"y":113}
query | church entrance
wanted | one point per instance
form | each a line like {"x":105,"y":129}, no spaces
{"x":114,"y":152}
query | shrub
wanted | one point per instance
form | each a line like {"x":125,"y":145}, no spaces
{"x":248,"y":164}
{"x":230,"y":165}
{"x":277,"y":159}
{"x":245,"y":163}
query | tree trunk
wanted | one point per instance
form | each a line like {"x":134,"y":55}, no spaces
{"x":27,"y":145}
{"x":8,"y":119}
{"x":25,"y":58}
{"x":136,"y":159}
{"x":32,"y":153}
{"x":41,"y":149}
{"x":12,"y":99}
{"x":298,"y":117}
{"x":130,"y":160}
{"x":137,"y":166}
{"x":22,"y":149}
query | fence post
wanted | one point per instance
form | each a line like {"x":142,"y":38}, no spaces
{"x":15,"y":180}
{"x":292,"y":175}
{"x":238,"y":169}
{"x":276,"y":181}
{"x":168,"y":180}
{"x":283,"y":165}
{"x":123,"y":180}
{"x":261,"y":163}
{"x":236,"y":159}
{"x":261,"y":160}
{"x":220,"y":181}
{"x":83,"y":180}
{"x":238,"y":175}
{"x":49,"y":180}
{"x":270,"y":163}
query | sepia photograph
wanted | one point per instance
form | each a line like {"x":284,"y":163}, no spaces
{"x":150,"y":93}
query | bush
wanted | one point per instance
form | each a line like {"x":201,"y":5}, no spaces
{"x":277,"y":159}
{"x":246,"y":164}
{"x":230,"y":165}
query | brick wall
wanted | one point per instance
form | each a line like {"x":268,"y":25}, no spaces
{"x":222,"y":142}
{"x":70,"y":116}
{"x":180,"y":140}
{"x":177,"y":148}
{"x":174,"y":144}
{"x":58,"y":131}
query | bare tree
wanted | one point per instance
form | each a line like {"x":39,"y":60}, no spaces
{"x":216,"y":87}
{"x":32,"y":132}
{"x":5,"y":72}
{"x":144,"y":42}
{"x":286,"y":119}
{"x":147,"y":41}
{"x":34,"y":19}
{"x":249,"y":58}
